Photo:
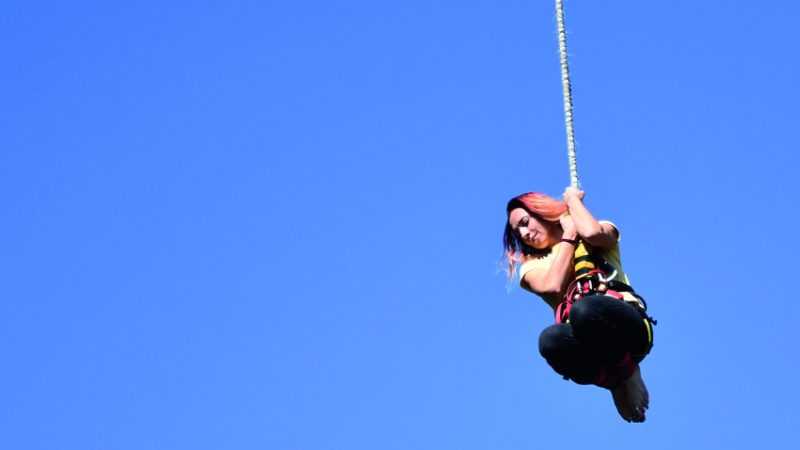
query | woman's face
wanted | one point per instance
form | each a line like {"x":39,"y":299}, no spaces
{"x":533,"y":231}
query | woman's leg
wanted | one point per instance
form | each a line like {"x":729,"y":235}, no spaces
{"x":615,"y":331}
{"x":569,"y":357}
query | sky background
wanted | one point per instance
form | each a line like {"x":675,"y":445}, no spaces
{"x":277,"y":225}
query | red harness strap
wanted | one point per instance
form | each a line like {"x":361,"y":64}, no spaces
{"x":610,"y":376}
{"x":592,"y":282}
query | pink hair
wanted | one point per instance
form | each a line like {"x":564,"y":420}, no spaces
{"x":540,"y":205}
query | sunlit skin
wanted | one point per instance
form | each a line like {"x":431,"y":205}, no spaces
{"x":536,"y":233}
{"x":630,"y":395}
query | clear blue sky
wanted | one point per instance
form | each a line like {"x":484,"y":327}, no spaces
{"x":277,"y":225}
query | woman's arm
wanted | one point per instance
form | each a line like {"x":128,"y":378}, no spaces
{"x":550,"y":283}
{"x":595,"y":233}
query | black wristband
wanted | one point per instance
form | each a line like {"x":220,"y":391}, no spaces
{"x":570,"y":241}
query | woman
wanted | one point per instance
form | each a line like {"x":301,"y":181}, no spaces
{"x":602,"y":330}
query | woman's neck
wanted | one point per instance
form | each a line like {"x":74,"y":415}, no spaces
{"x":556,"y":233}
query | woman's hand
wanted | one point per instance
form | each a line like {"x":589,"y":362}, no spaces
{"x":586,"y":226}
{"x":569,"y":227}
{"x":571,"y":192}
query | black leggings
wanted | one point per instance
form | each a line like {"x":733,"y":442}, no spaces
{"x":602,"y":344}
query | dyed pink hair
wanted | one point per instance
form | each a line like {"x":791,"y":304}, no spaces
{"x":543,"y":207}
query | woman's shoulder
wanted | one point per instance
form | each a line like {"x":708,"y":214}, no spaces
{"x":614,"y":227}
{"x":538,"y":261}
{"x":608,"y":222}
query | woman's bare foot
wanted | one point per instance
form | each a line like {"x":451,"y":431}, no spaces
{"x":631,"y":397}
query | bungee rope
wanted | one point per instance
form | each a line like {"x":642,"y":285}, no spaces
{"x":567,"y":92}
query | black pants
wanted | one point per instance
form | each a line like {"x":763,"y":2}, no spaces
{"x":603,"y":335}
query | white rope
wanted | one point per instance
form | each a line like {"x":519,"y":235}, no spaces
{"x":567,"y":91}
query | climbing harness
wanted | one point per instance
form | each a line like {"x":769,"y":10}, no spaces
{"x":596,"y":276}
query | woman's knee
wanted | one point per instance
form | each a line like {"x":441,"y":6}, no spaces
{"x":587,"y":308}
{"x":553,"y":340}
